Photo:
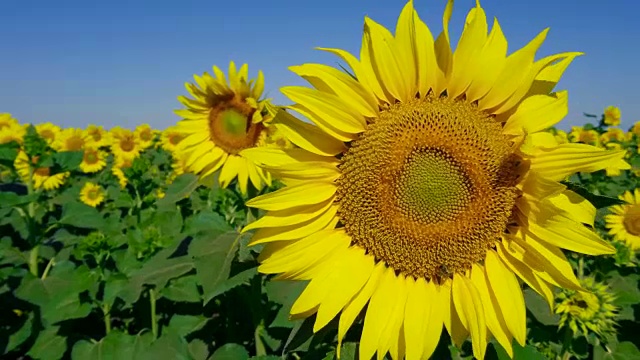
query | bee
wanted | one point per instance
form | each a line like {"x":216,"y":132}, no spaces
{"x":442,"y":273}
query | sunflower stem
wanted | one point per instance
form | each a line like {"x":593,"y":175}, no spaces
{"x":106,"y":310}
{"x":260,"y":349}
{"x":48,"y":268}
{"x":580,"y":268}
{"x":154,"y":322}
{"x":33,"y":260}
{"x":31,"y":212}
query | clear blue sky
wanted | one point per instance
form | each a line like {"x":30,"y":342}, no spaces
{"x":124,"y":62}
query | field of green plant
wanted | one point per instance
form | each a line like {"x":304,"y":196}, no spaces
{"x":110,"y":250}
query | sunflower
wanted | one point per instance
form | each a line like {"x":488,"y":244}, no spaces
{"x":612,"y":116}
{"x":71,"y":140}
{"x":48,"y":132}
{"x":613,"y":134}
{"x":588,"y":311}
{"x":145,"y":135}
{"x":42,"y":177}
{"x":223,"y":119}
{"x":124,"y":144}
{"x":624,"y":223}
{"x":6,"y":121}
{"x":92,"y":194}
{"x":93,"y":160}
{"x":425,"y":187}
{"x":98,"y":136}
{"x":170,"y":138}
{"x":13,"y":132}
{"x":118,"y":172}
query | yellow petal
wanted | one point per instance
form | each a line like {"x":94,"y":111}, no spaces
{"x":290,"y":216}
{"x":452,"y":322}
{"x":328,"y":106}
{"x":327,"y":126}
{"x":442,"y":47}
{"x":331,"y":80}
{"x":229,"y":170}
{"x":423,"y":320}
{"x":296,"y":231}
{"x":469,"y":306}
{"x":271,"y":157}
{"x":307,"y":136}
{"x":405,"y":40}
{"x":490,"y":60}
{"x":506,"y":289}
{"x":312,"y":170}
{"x":537,"y":113}
{"x":429,"y":74}
{"x":548,"y":77}
{"x":293,"y":196}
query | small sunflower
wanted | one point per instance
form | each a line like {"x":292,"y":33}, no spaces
{"x":145,"y":135}
{"x":170,"y":138}
{"x":224,"y":118}
{"x":635,"y":130}
{"x":590,"y":137}
{"x":117,"y":170}
{"x":14,"y":132}
{"x":92,"y":194}
{"x":124,"y":143}
{"x":98,"y":136}
{"x":624,"y":223}
{"x":613,"y":134}
{"x":425,"y":186}
{"x":612,"y":116}
{"x":589,"y":311}
{"x":93,"y":160}
{"x":42,"y":177}
{"x":48,"y":131}
{"x":71,"y":140}
{"x":6,"y":121}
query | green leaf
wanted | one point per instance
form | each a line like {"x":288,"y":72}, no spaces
{"x":212,"y":258}
{"x":169,"y":221}
{"x":81,"y":216}
{"x":625,"y":350}
{"x":184,"y":325}
{"x":48,"y":345}
{"x":19,"y":337}
{"x":284,"y":293}
{"x":206,"y":223}
{"x":625,"y":288}
{"x":114,"y":346}
{"x":11,"y":199}
{"x":526,"y":353}
{"x":198,"y":350}
{"x":8,"y":153}
{"x":183,"y":289}
{"x":599,"y":201}
{"x":232,"y":282}
{"x":68,"y":160}
{"x":230,"y":352}
{"x":168,"y":346}
{"x":180,"y":188}
{"x":539,"y":308}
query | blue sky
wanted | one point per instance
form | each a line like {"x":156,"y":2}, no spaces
{"x":124,"y":62}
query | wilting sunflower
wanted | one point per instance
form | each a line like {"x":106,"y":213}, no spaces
{"x":92,"y":194}
{"x":224,"y":118}
{"x":624,"y":223}
{"x":71,"y":140}
{"x":426,"y":187}
{"x":124,"y":144}
{"x":99,"y":136}
{"x":42,"y":177}
{"x":145,"y":135}
{"x":588,"y":311}
{"x":170,"y":138}
{"x":93,"y":160}
{"x":48,"y":132}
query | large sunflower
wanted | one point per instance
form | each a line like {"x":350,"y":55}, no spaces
{"x":224,"y":118}
{"x":624,"y":223}
{"x":426,"y":187}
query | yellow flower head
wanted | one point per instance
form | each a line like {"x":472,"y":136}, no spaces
{"x":71,"y":140}
{"x":635,"y":129}
{"x":561,"y":137}
{"x":170,"y":138}
{"x":42,"y":177}
{"x":48,"y":131}
{"x":92,"y":194}
{"x":225,"y":117}
{"x":613,"y":134}
{"x":612,"y":116}
{"x":624,"y":222}
{"x":590,"y":311}
{"x":98,"y":136}
{"x":145,"y":135}
{"x":14,"y":132}
{"x":424,"y":186}
{"x":93,"y":160}
{"x":590,"y":137}
{"x":124,"y":144}
{"x":6,"y":121}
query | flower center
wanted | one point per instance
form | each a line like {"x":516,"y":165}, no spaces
{"x":47,"y":134}
{"x":127,"y":144}
{"x":632,"y":220}
{"x":175,"y":138}
{"x":429,"y":187}
{"x":90,"y":157}
{"x":74,"y":143}
{"x":231,"y":127}
{"x":145,"y":135}
{"x":93,"y":194}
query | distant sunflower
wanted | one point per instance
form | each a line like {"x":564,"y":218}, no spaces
{"x":48,"y":132}
{"x":99,"y":136}
{"x":42,"y":177}
{"x":124,"y":144}
{"x":612,"y":116}
{"x":93,"y":160}
{"x":92,"y":194}
{"x":224,"y":118}
{"x":145,"y":135}
{"x":624,"y":223}
{"x":422,"y":185}
{"x":71,"y":140}
{"x":170,"y":138}
{"x":6,"y":121}
{"x":11,"y":133}
{"x":118,"y":172}
{"x":590,"y":311}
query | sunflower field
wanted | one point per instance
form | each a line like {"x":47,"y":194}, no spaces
{"x":421,"y":201}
